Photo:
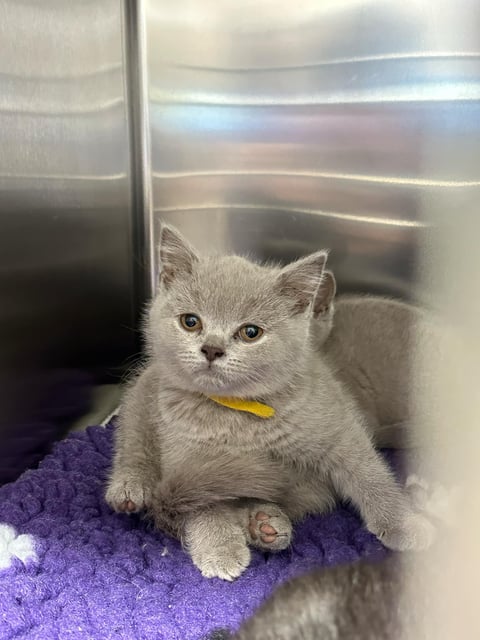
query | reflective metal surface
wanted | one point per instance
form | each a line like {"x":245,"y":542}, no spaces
{"x":266,"y":127}
{"x":280,"y":127}
{"x":67,"y":269}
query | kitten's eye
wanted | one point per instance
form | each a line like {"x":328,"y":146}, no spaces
{"x":190,"y":322}
{"x":250,"y":332}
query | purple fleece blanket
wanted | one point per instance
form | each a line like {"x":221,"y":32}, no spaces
{"x":70,"y":568}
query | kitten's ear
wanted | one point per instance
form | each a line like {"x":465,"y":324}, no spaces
{"x":325,"y":294}
{"x":177,"y":256}
{"x":300,"y":280}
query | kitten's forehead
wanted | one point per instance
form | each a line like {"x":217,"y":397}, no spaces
{"x":232,"y":288}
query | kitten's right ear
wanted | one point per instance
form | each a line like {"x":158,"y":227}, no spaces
{"x":177,"y":256}
{"x":325,"y":294}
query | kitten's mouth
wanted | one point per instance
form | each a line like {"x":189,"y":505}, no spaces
{"x":210,"y":369}
{"x":217,"y":378}
{"x":212,"y":378}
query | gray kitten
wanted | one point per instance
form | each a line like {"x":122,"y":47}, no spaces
{"x":372,"y":344}
{"x":224,"y":326}
{"x":361,"y":601}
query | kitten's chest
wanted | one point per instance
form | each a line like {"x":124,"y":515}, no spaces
{"x":196,"y":424}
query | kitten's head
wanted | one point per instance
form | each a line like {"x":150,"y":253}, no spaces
{"x":226,"y":326}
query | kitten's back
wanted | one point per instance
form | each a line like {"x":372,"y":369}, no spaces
{"x":373,"y":347}
{"x":370,"y":346}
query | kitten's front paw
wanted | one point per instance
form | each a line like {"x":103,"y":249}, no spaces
{"x":227,"y":562}
{"x":412,"y":533}
{"x":127,"y":495}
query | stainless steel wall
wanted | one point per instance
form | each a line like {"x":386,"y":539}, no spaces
{"x":66,"y":244}
{"x":263,"y":126}
{"x":280,"y":127}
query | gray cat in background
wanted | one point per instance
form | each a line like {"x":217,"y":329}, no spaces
{"x":372,"y":344}
{"x":359,"y":601}
{"x":224,"y":327}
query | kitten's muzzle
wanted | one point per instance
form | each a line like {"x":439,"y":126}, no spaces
{"x":212,"y":352}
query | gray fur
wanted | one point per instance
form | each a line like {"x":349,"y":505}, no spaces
{"x":363,"y":600}
{"x":373,"y":345}
{"x":366,"y":600}
{"x":211,"y":480}
{"x":318,"y":434}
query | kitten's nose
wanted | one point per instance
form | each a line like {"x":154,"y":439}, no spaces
{"x":211,"y":352}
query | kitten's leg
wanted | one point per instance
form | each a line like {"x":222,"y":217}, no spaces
{"x":360,"y":474}
{"x":130,"y":485}
{"x":134,"y":471}
{"x":217,"y":542}
{"x":268,"y":528}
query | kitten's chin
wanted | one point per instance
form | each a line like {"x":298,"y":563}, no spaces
{"x":216,"y":382}
{"x":236,"y":388}
{"x":213,"y":385}
{"x":216,"y":379}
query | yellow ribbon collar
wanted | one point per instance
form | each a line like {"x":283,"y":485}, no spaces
{"x":250,"y":406}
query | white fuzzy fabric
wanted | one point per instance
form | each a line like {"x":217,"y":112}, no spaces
{"x":14,"y":546}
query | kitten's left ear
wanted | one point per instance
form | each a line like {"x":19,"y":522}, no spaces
{"x":177,"y":256}
{"x":300,"y":280}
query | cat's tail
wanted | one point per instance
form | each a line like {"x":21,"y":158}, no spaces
{"x":201,"y":483}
